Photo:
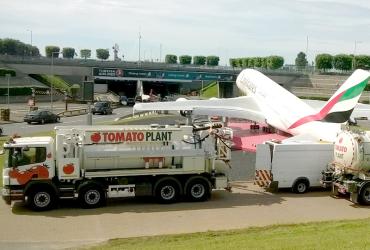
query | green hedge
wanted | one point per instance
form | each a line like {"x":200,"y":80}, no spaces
{"x":4,"y":72}
{"x":15,"y":91}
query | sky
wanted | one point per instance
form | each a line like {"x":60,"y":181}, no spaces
{"x":228,"y":29}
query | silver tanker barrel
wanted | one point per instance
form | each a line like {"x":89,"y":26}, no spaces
{"x":352,"y":152}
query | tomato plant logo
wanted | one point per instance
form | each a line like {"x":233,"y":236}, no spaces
{"x":96,"y":137}
{"x":68,"y":168}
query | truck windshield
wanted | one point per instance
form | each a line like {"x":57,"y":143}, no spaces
{"x":18,"y":156}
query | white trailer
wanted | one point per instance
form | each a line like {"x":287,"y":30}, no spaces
{"x":93,"y":163}
{"x":296,"y":165}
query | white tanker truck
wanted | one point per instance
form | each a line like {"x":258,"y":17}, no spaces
{"x":349,"y":173}
{"x":93,"y":163}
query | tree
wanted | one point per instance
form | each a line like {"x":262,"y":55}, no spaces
{"x":342,"y":62}
{"x":245,"y":62}
{"x":85,"y":53}
{"x":10,"y":46}
{"x":185,"y":59}
{"x":275,"y":62}
{"x":102,"y":54}
{"x":50,"y":50}
{"x":212,"y":60}
{"x":68,"y":53}
{"x":233,"y":62}
{"x":264,"y":62}
{"x":170,"y":59}
{"x":199,"y":60}
{"x":324,"y":61}
{"x":301,"y":60}
{"x":250,"y":62}
{"x":257,"y":61}
{"x":361,"y":62}
{"x":239,"y":62}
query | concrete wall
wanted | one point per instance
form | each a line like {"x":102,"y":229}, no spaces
{"x":57,"y":70}
{"x":24,"y":99}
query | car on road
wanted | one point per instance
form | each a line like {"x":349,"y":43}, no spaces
{"x":130,"y":101}
{"x":102,"y":108}
{"x":123,"y":100}
{"x":41,"y":116}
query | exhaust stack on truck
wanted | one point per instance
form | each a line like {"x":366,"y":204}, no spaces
{"x":91,"y":164}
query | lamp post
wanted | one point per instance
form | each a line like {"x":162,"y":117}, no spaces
{"x":33,"y":97}
{"x":354,"y":54}
{"x":66,"y":100}
{"x":8,"y":76}
{"x":31,"y":40}
{"x":52,"y":73}
{"x":139,"y":47}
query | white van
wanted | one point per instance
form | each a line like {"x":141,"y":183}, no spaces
{"x":296,"y":165}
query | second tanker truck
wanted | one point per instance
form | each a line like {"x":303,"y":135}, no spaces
{"x":349,"y":173}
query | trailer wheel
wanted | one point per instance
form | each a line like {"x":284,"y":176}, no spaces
{"x":91,"y":196}
{"x":41,"y":199}
{"x":167,"y":191}
{"x":365,"y":195}
{"x":300,"y":186}
{"x":198,"y":189}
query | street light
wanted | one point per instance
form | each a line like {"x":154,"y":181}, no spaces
{"x":139,"y":47}
{"x":354,"y":54}
{"x":31,"y":40}
{"x":51,"y":80}
{"x":8,"y":76}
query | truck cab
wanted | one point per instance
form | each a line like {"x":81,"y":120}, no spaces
{"x":26,"y":160}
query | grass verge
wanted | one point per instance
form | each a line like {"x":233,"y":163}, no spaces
{"x":349,"y":234}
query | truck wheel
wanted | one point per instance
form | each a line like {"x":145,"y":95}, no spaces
{"x":300,"y":186}
{"x":91,"y":197}
{"x":167,"y":191}
{"x":41,"y":199}
{"x":197,"y":189}
{"x":365,"y":195}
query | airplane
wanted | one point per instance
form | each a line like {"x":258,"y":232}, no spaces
{"x":267,"y":102}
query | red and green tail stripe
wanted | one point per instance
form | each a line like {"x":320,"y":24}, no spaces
{"x":335,"y":117}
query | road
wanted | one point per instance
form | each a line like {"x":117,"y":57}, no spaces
{"x":246,"y":206}
{"x":22,"y":127}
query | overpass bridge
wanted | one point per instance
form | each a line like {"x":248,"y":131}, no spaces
{"x":123,"y":77}
{"x":130,"y":78}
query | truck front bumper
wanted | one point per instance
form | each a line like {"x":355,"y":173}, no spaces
{"x":10,"y":195}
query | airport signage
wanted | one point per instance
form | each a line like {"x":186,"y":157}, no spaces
{"x":160,"y":74}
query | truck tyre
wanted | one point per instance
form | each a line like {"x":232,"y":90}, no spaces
{"x":42,"y":121}
{"x":167,"y":191}
{"x":300,"y":186}
{"x":41,"y":199}
{"x":91,"y":196}
{"x":198,"y":189}
{"x":365,"y":195}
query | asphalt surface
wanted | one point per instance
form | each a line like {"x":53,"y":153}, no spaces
{"x":246,"y":206}
{"x":20,"y":127}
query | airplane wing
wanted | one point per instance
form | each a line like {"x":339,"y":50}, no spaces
{"x":239,"y":107}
